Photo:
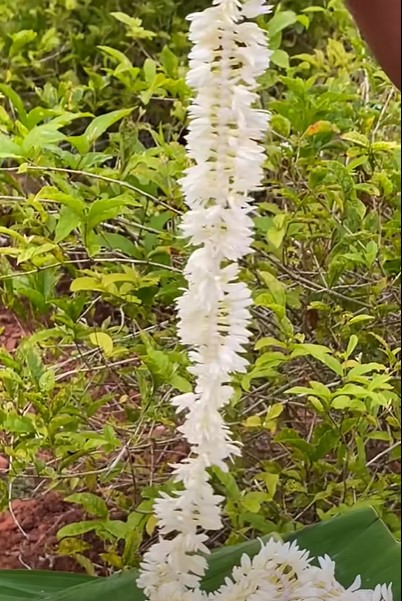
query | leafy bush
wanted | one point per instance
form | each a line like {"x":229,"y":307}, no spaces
{"x":92,"y":124}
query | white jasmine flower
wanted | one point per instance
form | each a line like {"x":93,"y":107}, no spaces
{"x":224,"y":146}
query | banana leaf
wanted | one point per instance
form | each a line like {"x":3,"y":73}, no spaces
{"x":358,"y":541}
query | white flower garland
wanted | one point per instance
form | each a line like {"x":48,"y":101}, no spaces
{"x":229,"y":54}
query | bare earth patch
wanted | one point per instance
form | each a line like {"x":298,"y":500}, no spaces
{"x":28,"y":538}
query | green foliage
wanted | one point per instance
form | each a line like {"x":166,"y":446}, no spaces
{"x":92,"y":122}
{"x":343,"y":538}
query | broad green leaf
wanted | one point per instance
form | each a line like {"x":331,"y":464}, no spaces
{"x":41,"y":136}
{"x":84,"y":283}
{"x":18,"y":585}
{"x":102,"y":123}
{"x":121,"y":58}
{"x":268,"y":341}
{"x":254,"y":421}
{"x":17,"y":424}
{"x":357,"y":138}
{"x":180,"y":383}
{"x":280,"y":21}
{"x":121,"y":587}
{"x":321,"y":353}
{"x":15,"y":100}
{"x":135,"y":29}
{"x":8,"y":148}
{"x":75,"y":203}
{"x":77,"y":528}
{"x":103,"y":341}
{"x":345,"y":402}
{"x":353,"y":341}
{"x":68,"y":221}
{"x":21,"y":39}
{"x":253,"y":500}
{"x":104,"y":209}
{"x":97,"y":128}
{"x":119,"y":242}
{"x":92,"y":504}
{"x":149,"y":70}
{"x":280,"y":58}
{"x":276,"y":236}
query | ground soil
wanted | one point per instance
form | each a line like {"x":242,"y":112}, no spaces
{"x":11,"y":330}
{"x":28,"y":534}
{"x":28,"y":531}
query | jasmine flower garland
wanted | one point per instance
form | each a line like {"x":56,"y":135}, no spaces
{"x":229,"y":54}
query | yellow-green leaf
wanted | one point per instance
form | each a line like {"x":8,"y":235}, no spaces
{"x":103,"y":341}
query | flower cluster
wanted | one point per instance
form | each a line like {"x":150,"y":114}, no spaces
{"x":224,"y":145}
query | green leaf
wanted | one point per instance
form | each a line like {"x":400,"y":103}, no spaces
{"x":92,"y":504}
{"x":149,"y":70}
{"x":321,"y":353}
{"x":104,"y":209}
{"x":77,"y":528}
{"x":84,"y":283}
{"x":122,"y":59}
{"x":275,"y":236}
{"x":345,"y":402}
{"x":180,"y":383}
{"x":96,"y":128}
{"x":15,"y":100}
{"x":280,"y":21}
{"x":353,"y":341}
{"x":360,"y":319}
{"x":357,"y":138}
{"x":102,"y":341}
{"x":121,"y":587}
{"x":16,"y":424}
{"x":135,"y":29}
{"x":8,"y":148}
{"x":253,"y":500}
{"x":41,"y":136}
{"x":68,"y":221}
{"x":21,"y":39}
{"x":280,"y":58}
{"x":16,"y":585}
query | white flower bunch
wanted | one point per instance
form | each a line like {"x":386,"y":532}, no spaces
{"x":224,"y":144}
